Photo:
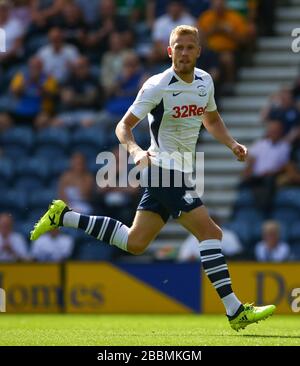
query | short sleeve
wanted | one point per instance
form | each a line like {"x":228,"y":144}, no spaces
{"x":148,"y":98}
{"x":211,"y":104}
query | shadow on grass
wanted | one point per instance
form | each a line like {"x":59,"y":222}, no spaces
{"x":269,"y":336}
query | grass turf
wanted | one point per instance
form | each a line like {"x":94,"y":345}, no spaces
{"x":175,"y":330}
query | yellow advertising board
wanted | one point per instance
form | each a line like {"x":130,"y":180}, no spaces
{"x":105,"y":288}
{"x":261,"y":283}
{"x":31,"y":288}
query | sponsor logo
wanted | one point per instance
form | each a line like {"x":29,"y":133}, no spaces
{"x":185,"y":111}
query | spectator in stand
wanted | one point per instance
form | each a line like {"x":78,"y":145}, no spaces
{"x":226,"y":31}
{"x":73,"y":25}
{"x":75,"y":186}
{"x":44,"y":14}
{"x":291,"y":171}
{"x":267,"y":157}
{"x":14,"y":34}
{"x":22,"y":11}
{"x":52,"y":247}
{"x":248,"y":9}
{"x":13,"y":246}
{"x":33,"y":93}
{"x":58,"y":56}
{"x":176,"y":15}
{"x":80,"y":96}
{"x":96,"y":42}
{"x":113,"y":199}
{"x":296,"y":92}
{"x":89,"y":10}
{"x":125,"y":89}
{"x":231,"y":245}
{"x":266,"y":16}
{"x":112,"y":62}
{"x":285,"y":110}
{"x":271,"y":248}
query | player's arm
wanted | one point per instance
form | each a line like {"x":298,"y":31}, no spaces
{"x":215,"y":126}
{"x":125,"y":136}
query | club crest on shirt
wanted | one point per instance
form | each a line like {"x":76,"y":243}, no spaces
{"x":202,"y":91}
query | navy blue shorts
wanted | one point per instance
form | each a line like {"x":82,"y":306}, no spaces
{"x":168,"y":200}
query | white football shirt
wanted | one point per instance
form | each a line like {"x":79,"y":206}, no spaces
{"x":175,"y":110}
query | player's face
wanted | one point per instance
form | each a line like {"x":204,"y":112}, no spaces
{"x":184,"y":52}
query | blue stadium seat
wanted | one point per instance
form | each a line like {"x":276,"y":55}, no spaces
{"x":50,"y":152}
{"x":29,"y":183}
{"x":37,"y":167}
{"x":286,"y":215}
{"x":242,"y":229}
{"x":41,"y":198}
{"x":55,"y":137}
{"x":6,"y":172}
{"x":295,"y":233}
{"x":296,"y":252}
{"x":288,"y":197}
{"x":244,"y":199}
{"x":14,"y":202}
{"x":17,"y":142}
{"x":248,"y":214}
{"x":60,"y":166}
{"x":89,"y":141}
{"x":24,"y":228}
{"x":95,"y":251}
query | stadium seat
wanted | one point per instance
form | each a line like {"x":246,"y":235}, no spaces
{"x":50,"y":152}
{"x":242,"y":229}
{"x":24,"y":228}
{"x":17,"y":142}
{"x":294,"y":235}
{"x":89,"y":141}
{"x":56,"y":138}
{"x":288,"y":197}
{"x":32,"y":167}
{"x":248,"y":214}
{"x":29,"y":183}
{"x":6,"y":172}
{"x":296,"y":252}
{"x":60,"y":166}
{"x":95,"y":251}
{"x":244,"y":199}
{"x":14,"y":202}
{"x":286,"y":215}
{"x":41,"y":198}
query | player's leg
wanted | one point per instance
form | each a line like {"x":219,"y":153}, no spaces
{"x":146,"y":225}
{"x":135,"y":240}
{"x":200,"y":224}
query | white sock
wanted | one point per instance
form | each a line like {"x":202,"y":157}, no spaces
{"x":231,"y":303}
{"x":71,"y":219}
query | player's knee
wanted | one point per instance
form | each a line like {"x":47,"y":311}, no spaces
{"x":136,"y":249}
{"x":137,"y":245}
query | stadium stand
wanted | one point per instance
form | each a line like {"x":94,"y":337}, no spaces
{"x":34,"y":154}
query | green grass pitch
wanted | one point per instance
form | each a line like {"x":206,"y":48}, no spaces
{"x":146,"y":330}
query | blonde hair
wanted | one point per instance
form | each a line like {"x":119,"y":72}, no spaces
{"x":271,"y":225}
{"x":183,"y":30}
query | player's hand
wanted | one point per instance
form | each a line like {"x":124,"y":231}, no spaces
{"x":142,"y":158}
{"x":240,"y":151}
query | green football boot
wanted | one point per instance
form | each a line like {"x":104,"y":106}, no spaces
{"x":50,"y":220}
{"x":249,"y":314}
